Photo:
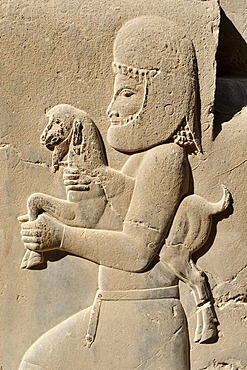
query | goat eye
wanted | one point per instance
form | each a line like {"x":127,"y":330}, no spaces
{"x":126,"y":93}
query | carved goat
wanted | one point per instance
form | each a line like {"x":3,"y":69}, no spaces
{"x":71,"y":132}
{"x":189,"y":232}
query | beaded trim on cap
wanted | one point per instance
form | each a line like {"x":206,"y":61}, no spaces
{"x":139,"y":74}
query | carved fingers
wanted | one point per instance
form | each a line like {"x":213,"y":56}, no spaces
{"x":71,"y":176}
{"x":43,"y":234}
{"x":74,"y":180}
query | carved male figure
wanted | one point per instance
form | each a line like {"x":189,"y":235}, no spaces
{"x":136,"y":320}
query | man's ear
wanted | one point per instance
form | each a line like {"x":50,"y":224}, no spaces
{"x":77,"y":136}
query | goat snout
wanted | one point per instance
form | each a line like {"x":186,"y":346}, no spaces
{"x":50,"y":141}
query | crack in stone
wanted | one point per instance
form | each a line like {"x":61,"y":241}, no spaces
{"x":140,"y":223}
{"x":204,"y":159}
{"x":157,"y":352}
{"x":27,"y":161}
{"x":226,"y":299}
{"x":230,"y":296}
{"x":232,"y":279}
{"x":233,"y":168}
{"x":112,"y":207}
{"x":215,"y":365}
{"x":35,"y":163}
{"x":221,"y":173}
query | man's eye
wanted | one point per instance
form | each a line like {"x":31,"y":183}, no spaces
{"x":126,"y":93}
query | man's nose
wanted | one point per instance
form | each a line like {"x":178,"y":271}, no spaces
{"x":112,"y":111}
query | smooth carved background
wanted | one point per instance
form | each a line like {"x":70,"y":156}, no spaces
{"x":61,"y":52}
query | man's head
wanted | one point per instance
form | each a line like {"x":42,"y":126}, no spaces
{"x":155,"y":84}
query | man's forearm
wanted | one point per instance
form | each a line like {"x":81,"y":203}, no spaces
{"x":115,"y":249}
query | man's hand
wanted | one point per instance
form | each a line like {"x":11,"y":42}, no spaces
{"x":41,"y":235}
{"x":71,"y":176}
{"x":73,"y":180}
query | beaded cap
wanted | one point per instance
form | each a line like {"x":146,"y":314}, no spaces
{"x":139,"y":74}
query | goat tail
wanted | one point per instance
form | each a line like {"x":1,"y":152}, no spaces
{"x":223,"y":203}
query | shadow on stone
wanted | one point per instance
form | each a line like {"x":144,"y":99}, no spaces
{"x":231,"y":84}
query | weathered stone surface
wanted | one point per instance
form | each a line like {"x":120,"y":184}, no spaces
{"x":121,"y":208}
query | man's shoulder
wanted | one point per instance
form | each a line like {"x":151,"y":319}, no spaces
{"x":169,"y":153}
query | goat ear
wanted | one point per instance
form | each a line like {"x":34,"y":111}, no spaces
{"x":77,"y":136}
{"x":58,"y":154}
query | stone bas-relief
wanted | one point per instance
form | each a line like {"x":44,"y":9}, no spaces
{"x":158,"y":224}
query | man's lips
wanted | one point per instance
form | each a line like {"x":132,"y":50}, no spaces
{"x":116,"y":122}
{"x":123,"y":121}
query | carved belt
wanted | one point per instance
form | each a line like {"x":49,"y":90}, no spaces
{"x":124,"y":295}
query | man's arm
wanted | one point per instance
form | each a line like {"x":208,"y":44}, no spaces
{"x":160,"y":183}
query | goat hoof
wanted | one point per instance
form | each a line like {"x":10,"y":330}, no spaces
{"x":24,"y":263}
{"x":197,"y":337}
{"x":34,"y":260}
{"x":208,"y":334}
{"x":25,"y":259}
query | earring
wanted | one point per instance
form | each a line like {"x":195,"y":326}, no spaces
{"x":169,"y":109}
{"x":183,"y":136}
